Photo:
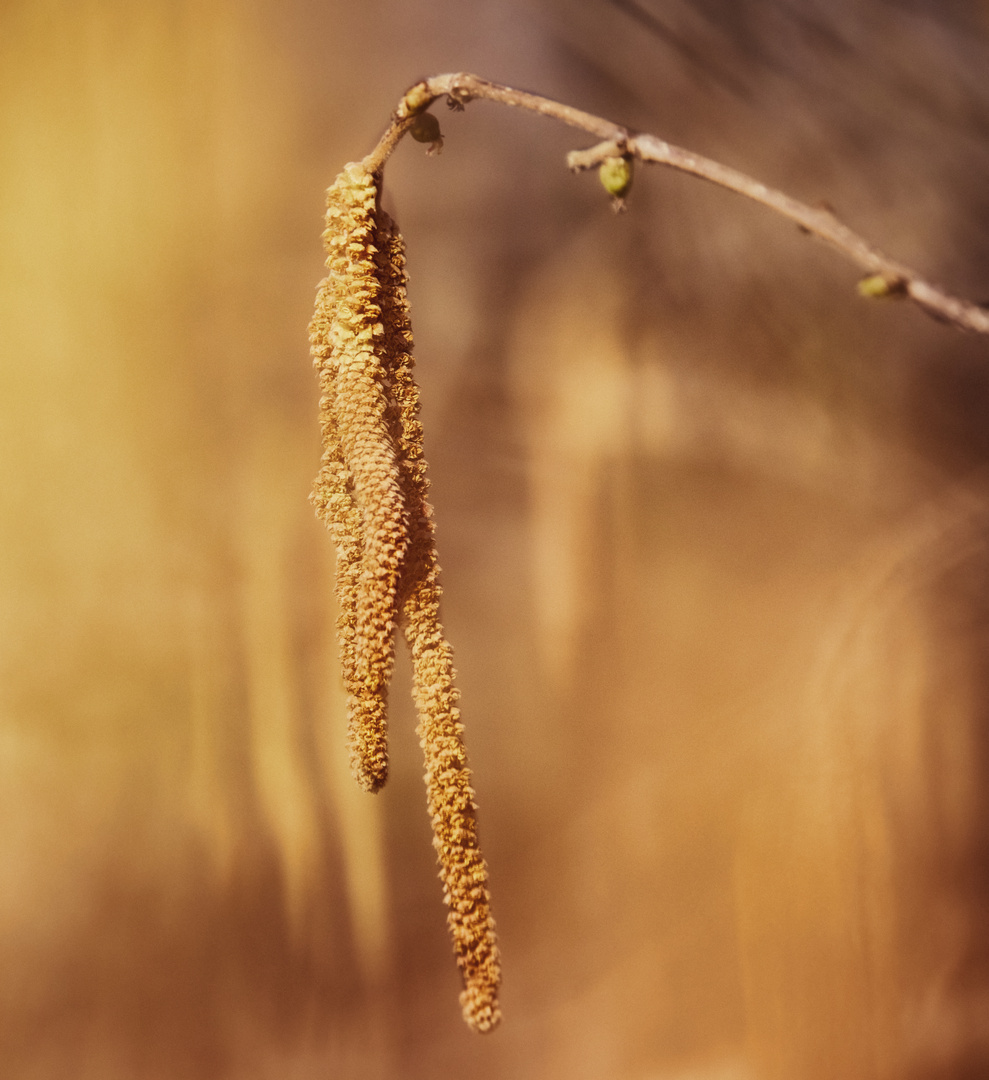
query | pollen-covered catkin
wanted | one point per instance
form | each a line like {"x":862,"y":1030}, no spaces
{"x":358,"y":490}
{"x":451,"y":802}
{"x":371,"y":491}
{"x":450,"y":797}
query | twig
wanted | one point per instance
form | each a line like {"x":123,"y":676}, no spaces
{"x":886,"y":276}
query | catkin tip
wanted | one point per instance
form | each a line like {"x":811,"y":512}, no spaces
{"x":369,"y":766}
{"x":480,"y":1009}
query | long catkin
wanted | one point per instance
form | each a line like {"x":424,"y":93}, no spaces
{"x":371,"y":492}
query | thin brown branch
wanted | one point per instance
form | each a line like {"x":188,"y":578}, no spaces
{"x":887,"y":276}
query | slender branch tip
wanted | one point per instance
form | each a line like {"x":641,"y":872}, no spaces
{"x":616,"y":141}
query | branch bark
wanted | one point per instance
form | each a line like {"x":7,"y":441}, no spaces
{"x":887,"y":277}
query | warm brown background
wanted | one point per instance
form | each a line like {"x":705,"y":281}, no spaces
{"x":714,"y":533}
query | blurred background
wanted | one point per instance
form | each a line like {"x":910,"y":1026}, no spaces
{"x":713,"y":529}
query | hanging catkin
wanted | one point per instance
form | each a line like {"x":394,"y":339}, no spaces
{"x":358,"y":490}
{"x":371,"y":492}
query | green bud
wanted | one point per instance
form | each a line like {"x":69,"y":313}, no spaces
{"x":426,"y":129}
{"x":615,"y":174}
{"x":877,"y":286}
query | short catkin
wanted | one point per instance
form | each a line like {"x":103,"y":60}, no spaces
{"x":371,"y":492}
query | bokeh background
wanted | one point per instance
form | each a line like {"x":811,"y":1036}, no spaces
{"x":714,"y":535}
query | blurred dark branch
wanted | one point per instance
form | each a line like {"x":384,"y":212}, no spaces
{"x":886,"y":277}
{"x":680,"y":45}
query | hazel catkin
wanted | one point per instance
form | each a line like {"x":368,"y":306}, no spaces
{"x":371,"y":492}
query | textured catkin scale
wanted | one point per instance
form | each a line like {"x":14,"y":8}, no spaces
{"x":371,"y":492}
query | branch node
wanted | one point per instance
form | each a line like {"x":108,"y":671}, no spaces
{"x":458,"y":96}
{"x":581,"y":160}
{"x":821,"y":207}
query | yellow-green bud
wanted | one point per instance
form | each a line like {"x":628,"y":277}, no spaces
{"x":615,"y":174}
{"x":416,"y":99}
{"x":877,"y":286}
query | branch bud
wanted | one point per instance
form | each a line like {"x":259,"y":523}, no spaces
{"x":880,"y":286}
{"x":615,"y":174}
{"x":416,"y":99}
{"x":426,"y":129}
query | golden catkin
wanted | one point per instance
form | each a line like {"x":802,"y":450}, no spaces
{"x":451,"y":802}
{"x":358,"y":490}
{"x":371,"y":491}
{"x":449,"y":794}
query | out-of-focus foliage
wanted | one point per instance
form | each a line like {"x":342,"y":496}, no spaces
{"x":712,"y":527}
